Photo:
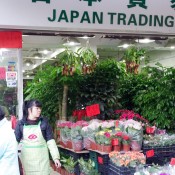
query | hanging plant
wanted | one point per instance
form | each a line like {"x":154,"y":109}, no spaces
{"x":88,"y":59}
{"x":133,"y":57}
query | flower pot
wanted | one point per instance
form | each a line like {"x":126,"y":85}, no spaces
{"x":135,"y":145}
{"x":69,"y":144}
{"x":126,"y":147}
{"x":77,"y":145}
{"x":99,"y":147}
{"x":93,"y":145}
{"x":106,"y":148}
{"x":116,"y":148}
{"x":87,"y":143}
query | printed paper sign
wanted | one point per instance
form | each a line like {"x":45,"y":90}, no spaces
{"x":12,"y":83}
{"x":11,"y":66}
{"x":11,"y":76}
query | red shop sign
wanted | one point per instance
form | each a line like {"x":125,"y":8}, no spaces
{"x":10,"y":39}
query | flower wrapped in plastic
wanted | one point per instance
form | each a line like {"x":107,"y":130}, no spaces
{"x":135,"y":130}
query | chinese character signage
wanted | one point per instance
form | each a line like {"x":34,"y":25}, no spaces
{"x":109,"y":16}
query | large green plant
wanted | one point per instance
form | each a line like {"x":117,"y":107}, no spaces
{"x":151,"y":93}
{"x":157,"y":102}
{"x":72,"y":69}
{"x":130,"y":85}
{"x":102,"y":86}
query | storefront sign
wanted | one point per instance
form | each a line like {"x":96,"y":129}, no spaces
{"x":132,"y":16}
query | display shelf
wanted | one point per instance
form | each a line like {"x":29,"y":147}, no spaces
{"x":102,"y":153}
{"x":78,"y":152}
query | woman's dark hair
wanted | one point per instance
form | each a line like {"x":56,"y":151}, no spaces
{"x":29,"y":104}
{"x":2,"y":113}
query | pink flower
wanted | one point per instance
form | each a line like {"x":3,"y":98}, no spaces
{"x":107,"y":134}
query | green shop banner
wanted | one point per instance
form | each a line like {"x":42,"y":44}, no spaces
{"x":112,"y":16}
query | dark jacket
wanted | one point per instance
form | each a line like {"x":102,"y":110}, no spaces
{"x":45,"y":129}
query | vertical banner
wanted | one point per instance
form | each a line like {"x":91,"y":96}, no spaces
{"x":10,"y":40}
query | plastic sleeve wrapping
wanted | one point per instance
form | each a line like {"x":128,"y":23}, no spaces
{"x":53,"y":149}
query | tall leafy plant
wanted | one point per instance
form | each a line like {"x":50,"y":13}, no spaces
{"x":72,"y":61}
{"x":101,"y":86}
{"x":157,"y":102}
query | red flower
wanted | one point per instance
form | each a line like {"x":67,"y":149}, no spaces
{"x":119,"y":134}
{"x":125,"y":137}
{"x":107,"y":134}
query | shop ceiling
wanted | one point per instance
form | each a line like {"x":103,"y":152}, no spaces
{"x":42,"y":47}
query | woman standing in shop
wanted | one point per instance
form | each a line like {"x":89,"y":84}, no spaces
{"x":36,"y":137}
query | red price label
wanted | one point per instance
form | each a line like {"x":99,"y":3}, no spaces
{"x":150,"y":153}
{"x":172,"y":161}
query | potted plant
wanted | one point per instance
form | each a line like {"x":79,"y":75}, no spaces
{"x":87,"y":167}
{"x":116,"y":141}
{"x":69,"y":165}
{"x":133,"y":56}
{"x":65,"y":136}
{"x":77,"y":138}
{"x":126,"y":142}
{"x":103,"y":139}
{"x":88,"y":59}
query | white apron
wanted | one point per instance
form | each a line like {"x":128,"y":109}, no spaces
{"x":34,"y":153}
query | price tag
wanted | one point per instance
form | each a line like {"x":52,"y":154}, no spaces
{"x":93,"y":110}
{"x":150,"y":153}
{"x":172,"y":161}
